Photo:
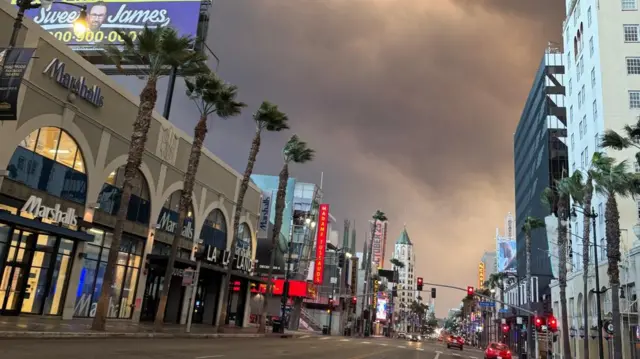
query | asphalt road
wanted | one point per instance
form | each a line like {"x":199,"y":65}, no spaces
{"x":312,"y":347}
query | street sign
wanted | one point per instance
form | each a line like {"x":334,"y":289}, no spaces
{"x":487,"y":304}
{"x":334,"y":280}
{"x":187,"y":277}
{"x":504,"y":310}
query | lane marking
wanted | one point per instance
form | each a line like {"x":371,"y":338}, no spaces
{"x":345,"y":340}
{"x":455,"y":354}
{"x":324,"y":338}
{"x":402,"y":347}
{"x":437,"y":355}
{"x":305,"y":336}
{"x":473,"y":357}
{"x":366,"y":342}
{"x":422,"y":349}
{"x":384,"y":344}
{"x":210,"y":356}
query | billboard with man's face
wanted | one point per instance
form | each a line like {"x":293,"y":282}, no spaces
{"x":106,"y":17}
{"x":507,"y":255}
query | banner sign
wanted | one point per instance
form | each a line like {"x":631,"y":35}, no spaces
{"x":265,"y":212}
{"x":14,"y":62}
{"x":106,"y":18}
{"x":321,"y":244}
{"x":507,"y":254}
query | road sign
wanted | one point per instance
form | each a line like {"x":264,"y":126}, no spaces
{"x":487,"y":304}
{"x":187,"y":277}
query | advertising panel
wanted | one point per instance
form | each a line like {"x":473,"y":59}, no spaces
{"x":379,"y":239}
{"x":507,"y":252}
{"x":14,"y":62}
{"x":265,"y":211}
{"x":106,"y":17}
{"x":381,"y":309}
{"x":481,"y":274}
{"x":321,"y":244}
{"x":297,"y":288}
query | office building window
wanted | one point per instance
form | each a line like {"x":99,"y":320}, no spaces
{"x":582,"y":159}
{"x":597,"y":141}
{"x":589,"y":16}
{"x":571,"y":114}
{"x":629,"y":5}
{"x":580,"y":129}
{"x":568,"y":55}
{"x":569,"y":89}
{"x":579,"y":99}
{"x":595,"y":111}
{"x":593,"y":77}
{"x":634,"y":99}
{"x":584,"y":124}
{"x":633,"y":65}
{"x":631,"y":33}
{"x":591,"y":50}
{"x":578,"y":69}
{"x":573,"y":142}
{"x":583,"y":94}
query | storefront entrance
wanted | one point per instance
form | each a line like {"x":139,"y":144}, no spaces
{"x":34,"y":271}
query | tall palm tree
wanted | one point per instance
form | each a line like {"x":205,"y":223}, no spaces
{"x":154,"y":51}
{"x":614,"y":179}
{"x":211,"y":96}
{"x":530,"y":224}
{"x":295,"y":151}
{"x":269,"y":118}
{"x":559,"y":199}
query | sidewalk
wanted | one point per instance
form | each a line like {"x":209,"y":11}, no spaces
{"x":55,"y":327}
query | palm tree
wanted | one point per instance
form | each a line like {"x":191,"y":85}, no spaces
{"x":614,"y":179}
{"x":270,"y":118}
{"x":295,"y":151}
{"x":154,"y":51}
{"x":211,"y":95}
{"x":530,"y":224}
{"x":559,"y":199}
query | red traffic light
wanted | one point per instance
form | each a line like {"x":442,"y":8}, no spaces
{"x":538,"y":322}
{"x":470,"y":291}
{"x":354,"y":300}
{"x":505,"y":328}
{"x":553,"y":323}
{"x":419,"y":280}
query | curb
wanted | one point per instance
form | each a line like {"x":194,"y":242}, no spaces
{"x":98,"y":335}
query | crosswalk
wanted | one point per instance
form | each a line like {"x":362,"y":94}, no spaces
{"x":389,"y":345}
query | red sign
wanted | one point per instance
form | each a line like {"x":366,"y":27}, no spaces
{"x":321,"y":244}
{"x":297,"y":288}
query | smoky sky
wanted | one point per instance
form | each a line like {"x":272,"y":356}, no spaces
{"x":411,"y":106}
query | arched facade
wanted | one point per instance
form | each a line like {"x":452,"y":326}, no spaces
{"x":168,"y":216}
{"x":140,"y":202}
{"x":49,"y":159}
{"x":214,"y":229}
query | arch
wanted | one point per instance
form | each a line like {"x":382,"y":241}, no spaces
{"x":121,"y":161}
{"x":50,"y":159}
{"x":244,"y":237}
{"x":139,"y":209}
{"x":214,"y":229}
{"x":219,"y":206}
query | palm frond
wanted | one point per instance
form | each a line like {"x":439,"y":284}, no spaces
{"x":612,"y":139}
{"x":380,"y":216}
{"x":548,"y":198}
{"x":531,"y":223}
{"x":297,"y":151}
{"x":269,"y":117}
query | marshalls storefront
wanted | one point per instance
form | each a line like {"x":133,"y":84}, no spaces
{"x":61,"y":167}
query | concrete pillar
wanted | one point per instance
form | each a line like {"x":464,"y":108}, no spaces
{"x":218,"y":306}
{"x":186,"y":300}
{"x":247,"y":305}
{"x":74,"y":279}
{"x":142,"y":279}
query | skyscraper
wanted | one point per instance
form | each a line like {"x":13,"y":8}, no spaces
{"x":403,"y":252}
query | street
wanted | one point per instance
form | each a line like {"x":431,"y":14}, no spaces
{"x":308,"y":347}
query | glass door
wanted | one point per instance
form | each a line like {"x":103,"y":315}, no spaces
{"x":15,"y":274}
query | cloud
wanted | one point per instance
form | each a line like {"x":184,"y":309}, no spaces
{"x":410,"y":104}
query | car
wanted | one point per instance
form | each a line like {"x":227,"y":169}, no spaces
{"x":402,"y":335}
{"x":415,"y":337}
{"x":497,"y":351}
{"x":455,"y":342}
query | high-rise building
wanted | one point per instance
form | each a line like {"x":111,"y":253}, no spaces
{"x":379,"y":243}
{"x":540,"y":159}
{"x":406,"y":285}
{"x":489,"y":261}
{"x":603,"y":92}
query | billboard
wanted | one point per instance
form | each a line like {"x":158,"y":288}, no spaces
{"x":321,"y":244}
{"x":481,"y":275}
{"x":507,"y":254}
{"x":265,"y":211}
{"x":381,"y":309}
{"x":106,"y":17}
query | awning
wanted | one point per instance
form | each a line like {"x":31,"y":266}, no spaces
{"x":6,"y":216}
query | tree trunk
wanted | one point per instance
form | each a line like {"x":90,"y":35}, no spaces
{"x":275,"y":236}
{"x":612,"y":232}
{"x":562,"y":274}
{"x":185,"y":204}
{"x":586,"y":235}
{"x":244,"y":185}
{"x":148,"y":98}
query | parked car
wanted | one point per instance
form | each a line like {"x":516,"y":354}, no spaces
{"x":415,"y":337}
{"x":402,"y":335}
{"x":455,"y":342}
{"x":497,"y":351}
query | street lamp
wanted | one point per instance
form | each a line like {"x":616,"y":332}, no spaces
{"x":79,"y":26}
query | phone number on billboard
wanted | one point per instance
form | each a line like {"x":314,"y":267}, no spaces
{"x":113,"y":36}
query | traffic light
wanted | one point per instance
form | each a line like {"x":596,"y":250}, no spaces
{"x":539,"y":322}
{"x":552,"y":323}
{"x":354,"y":300}
{"x":419,"y":283}
{"x":433,"y":293}
{"x":331,"y":302}
{"x":469,"y":292}
{"x":341,"y":260}
{"x":505,"y":328}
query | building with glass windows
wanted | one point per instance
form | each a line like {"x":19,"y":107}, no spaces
{"x":60,"y":187}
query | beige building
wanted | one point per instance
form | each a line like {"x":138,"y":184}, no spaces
{"x":59,"y":191}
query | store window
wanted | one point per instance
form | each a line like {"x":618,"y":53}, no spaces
{"x":123,"y":290}
{"x":168,"y":219}
{"x":140,"y":202}
{"x":49,"y":159}
{"x":214,"y":230}
{"x":244,"y":237}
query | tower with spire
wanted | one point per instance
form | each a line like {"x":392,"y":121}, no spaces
{"x":404,"y":253}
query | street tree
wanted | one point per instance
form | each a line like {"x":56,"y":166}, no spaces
{"x":153,"y":52}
